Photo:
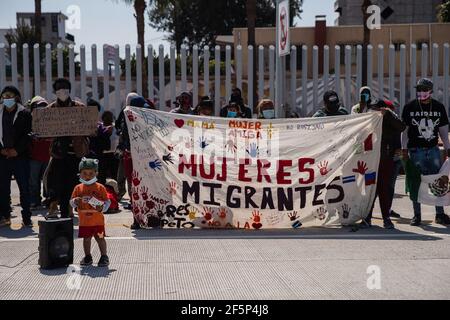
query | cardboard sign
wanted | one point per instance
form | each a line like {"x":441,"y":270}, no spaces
{"x":65,"y":122}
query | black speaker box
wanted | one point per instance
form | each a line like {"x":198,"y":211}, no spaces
{"x":55,"y":243}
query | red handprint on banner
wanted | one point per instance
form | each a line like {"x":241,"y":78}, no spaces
{"x":361,"y":169}
{"x":135,"y":178}
{"x":207,"y":213}
{"x":256,"y":216}
{"x":323,"y":168}
{"x":144,"y":193}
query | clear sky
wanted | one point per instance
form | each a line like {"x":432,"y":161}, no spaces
{"x":112,"y":21}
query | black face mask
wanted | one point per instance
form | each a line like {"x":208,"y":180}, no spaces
{"x":332,"y":107}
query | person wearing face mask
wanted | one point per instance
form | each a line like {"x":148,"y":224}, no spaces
{"x":426,"y":120}
{"x":392,"y":128}
{"x":233,"y":111}
{"x":15,"y":141}
{"x":365,"y":97}
{"x":183,"y":104}
{"x":332,"y":106}
{"x":40,"y":156}
{"x":91,"y":201}
{"x":66,"y":153}
{"x":266,"y":109}
{"x":366,"y":104}
{"x":236,"y":97}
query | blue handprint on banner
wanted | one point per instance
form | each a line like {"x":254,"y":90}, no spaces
{"x":253,"y":151}
{"x":155,"y":164}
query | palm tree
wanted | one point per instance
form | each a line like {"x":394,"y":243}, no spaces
{"x":37,"y":20}
{"x":139,"y":11}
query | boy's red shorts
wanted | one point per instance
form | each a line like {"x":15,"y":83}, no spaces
{"x":89,"y":232}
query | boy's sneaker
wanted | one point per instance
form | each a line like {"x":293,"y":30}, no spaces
{"x":387,"y":223}
{"x":104,"y":261}
{"x":5,"y":222}
{"x":416,"y":221}
{"x":27,"y":223}
{"x":442,"y":219}
{"x":87,"y":261}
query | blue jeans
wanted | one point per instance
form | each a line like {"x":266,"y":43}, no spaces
{"x":20,"y":168}
{"x":37,"y":169}
{"x":429,"y":162}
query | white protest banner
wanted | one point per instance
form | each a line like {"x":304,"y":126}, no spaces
{"x":434,"y":189}
{"x":192,"y":171}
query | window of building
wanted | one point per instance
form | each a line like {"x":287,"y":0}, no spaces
{"x":54,"y":23}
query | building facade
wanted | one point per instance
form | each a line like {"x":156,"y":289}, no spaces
{"x":392,"y":11}
{"x":53,"y":27}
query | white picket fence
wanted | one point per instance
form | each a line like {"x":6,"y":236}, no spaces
{"x":302,"y":94}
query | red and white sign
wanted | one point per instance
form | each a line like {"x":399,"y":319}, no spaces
{"x":283,"y":28}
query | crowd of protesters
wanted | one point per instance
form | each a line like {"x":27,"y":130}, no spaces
{"x":55,"y":164}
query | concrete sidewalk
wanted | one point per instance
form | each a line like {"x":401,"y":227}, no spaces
{"x":314,"y":263}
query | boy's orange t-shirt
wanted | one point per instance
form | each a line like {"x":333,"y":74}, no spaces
{"x":88,"y":215}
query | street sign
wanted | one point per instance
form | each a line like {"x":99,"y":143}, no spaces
{"x":283,"y":38}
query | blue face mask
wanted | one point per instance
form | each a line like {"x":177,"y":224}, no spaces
{"x":269,"y":114}
{"x":90,"y":182}
{"x":9,"y":103}
{"x":232,"y":114}
{"x":365,"y":97}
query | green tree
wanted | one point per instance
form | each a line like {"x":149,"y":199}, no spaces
{"x":201,"y":21}
{"x":24,"y":34}
{"x":444,"y":12}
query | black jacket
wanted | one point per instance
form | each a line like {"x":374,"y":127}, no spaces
{"x":393,"y":126}
{"x":22,"y":131}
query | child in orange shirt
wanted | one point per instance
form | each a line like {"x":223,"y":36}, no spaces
{"x":91,"y":201}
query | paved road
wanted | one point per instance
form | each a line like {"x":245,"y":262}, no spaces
{"x":315,"y":263}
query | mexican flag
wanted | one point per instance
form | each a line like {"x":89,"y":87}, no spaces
{"x":431,"y":189}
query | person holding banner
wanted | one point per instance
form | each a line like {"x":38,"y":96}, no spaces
{"x":365,"y":100}
{"x":236,"y":97}
{"x":183,"y":104}
{"x":66,"y":153}
{"x":265,"y":109}
{"x":392,"y":128}
{"x":426,"y":120}
{"x":15,"y":129}
{"x":332,"y":106}
{"x":40,"y":157}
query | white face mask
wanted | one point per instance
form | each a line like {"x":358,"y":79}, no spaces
{"x":89,"y":182}
{"x":62,"y":94}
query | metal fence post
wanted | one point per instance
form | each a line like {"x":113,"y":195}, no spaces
{"x":348,"y":77}
{"x":26,"y":73}
{"x":94,"y":72}
{"x":150,"y":76}
{"x":139,"y":69}
{"x":127,"y":69}
{"x":48,"y":71}
{"x":173,"y":80}
{"x":402,"y":77}
{"x":162,"y":81}
{"x":293,"y":78}
{"x":36,"y":69}
{"x":305,"y":107}
{"x":217,"y":81}
{"x":206,"y":71}
{"x":326,"y":67}
{"x":195,"y":73}
{"x":83,"y":73}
